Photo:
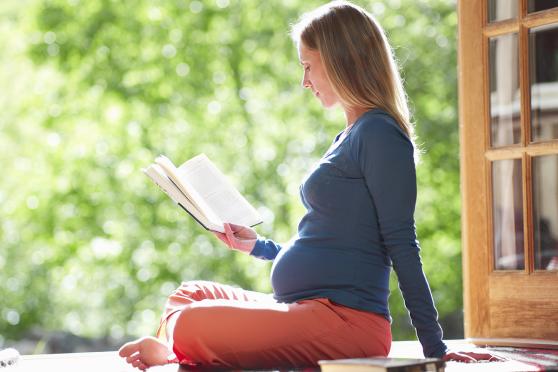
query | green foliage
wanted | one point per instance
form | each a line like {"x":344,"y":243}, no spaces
{"x":92,"y":91}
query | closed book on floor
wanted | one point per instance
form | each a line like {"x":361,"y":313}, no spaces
{"x":380,"y":364}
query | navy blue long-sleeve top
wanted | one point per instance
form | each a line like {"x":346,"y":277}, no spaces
{"x":360,"y":201}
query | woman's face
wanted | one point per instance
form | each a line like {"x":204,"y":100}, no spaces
{"x":315,"y":76}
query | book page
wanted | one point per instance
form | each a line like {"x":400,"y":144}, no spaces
{"x":160,"y":178}
{"x":218,"y":192}
{"x":187,"y":189}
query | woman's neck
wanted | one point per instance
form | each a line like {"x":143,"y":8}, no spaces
{"x":352,"y":114}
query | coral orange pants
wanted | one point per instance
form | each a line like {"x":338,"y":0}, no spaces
{"x":216,"y":325}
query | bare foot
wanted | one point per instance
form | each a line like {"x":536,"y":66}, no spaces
{"x":146,"y":352}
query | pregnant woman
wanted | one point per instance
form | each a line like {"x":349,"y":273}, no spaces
{"x":331,"y":281}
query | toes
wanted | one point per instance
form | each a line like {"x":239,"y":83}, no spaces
{"x":139,"y":365}
{"x":131,"y":359}
{"x":136,"y":363}
{"x":129,"y":348}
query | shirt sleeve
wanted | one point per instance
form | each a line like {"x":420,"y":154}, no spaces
{"x":385,"y":156}
{"x":265,"y":249}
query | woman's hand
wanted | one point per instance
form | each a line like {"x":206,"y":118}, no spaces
{"x":470,"y":356}
{"x":240,"y":238}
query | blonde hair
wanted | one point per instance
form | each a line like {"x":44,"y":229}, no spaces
{"x":357,"y":57}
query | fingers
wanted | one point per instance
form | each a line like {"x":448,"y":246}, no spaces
{"x":463,"y":357}
{"x":471,"y":356}
{"x":495,"y":358}
{"x":222,"y":237}
{"x":490,"y":357}
{"x":459,"y":357}
{"x":228,"y":229}
{"x":229,"y":233}
{"x":484,"y":356}
{"x":235,"y":228}
{"x":242,"y":232}
{"x":242,"y":239}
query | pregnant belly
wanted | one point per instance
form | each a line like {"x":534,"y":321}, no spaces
{"x":305,"y":269}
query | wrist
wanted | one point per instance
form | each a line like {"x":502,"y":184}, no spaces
{"x":247,"y":246}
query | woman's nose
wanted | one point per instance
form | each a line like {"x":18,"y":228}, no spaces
{"x":305,"y":82}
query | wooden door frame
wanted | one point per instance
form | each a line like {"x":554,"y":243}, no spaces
{"x":472,"y":146}
{"x":483,"y":323}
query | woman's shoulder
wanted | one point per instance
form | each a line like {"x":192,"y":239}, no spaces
{"x":376,"y":135}
{"x":377,"y":125}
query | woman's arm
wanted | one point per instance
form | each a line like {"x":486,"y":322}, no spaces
{"x":385,"y":157}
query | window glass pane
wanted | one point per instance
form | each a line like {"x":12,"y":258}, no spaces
{"x":537,"y":5}
{"x":543,"y":62}
{"x":499,"y":10}
{"x":507,"y":214}
{"x":545,"y":212}
{"x":505,"y":101}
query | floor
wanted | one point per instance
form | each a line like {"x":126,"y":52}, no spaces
{"x":109,"y":361}
{"x":412,"y":349}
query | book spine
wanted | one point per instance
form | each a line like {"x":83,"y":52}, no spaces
{"x":194,"y":217}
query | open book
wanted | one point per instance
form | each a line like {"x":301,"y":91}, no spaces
{"x":203,"y":191}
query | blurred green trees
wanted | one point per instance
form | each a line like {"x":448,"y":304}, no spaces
{"x":92,"y":91}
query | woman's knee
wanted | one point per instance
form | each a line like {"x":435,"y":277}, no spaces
{"x":189,"y":326}
{"x":202,"y":334}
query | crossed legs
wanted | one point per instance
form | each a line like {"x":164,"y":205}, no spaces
{"x":216,"y":325}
